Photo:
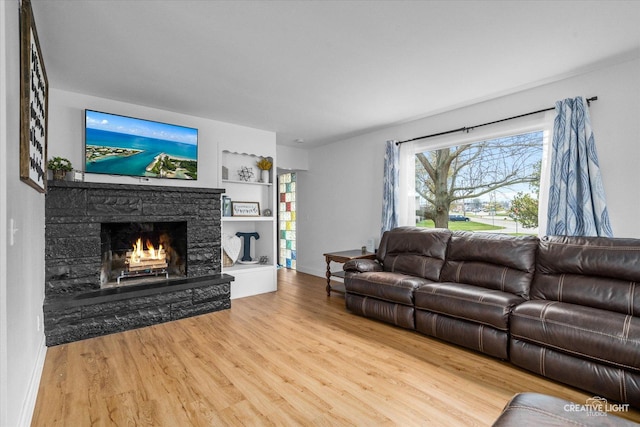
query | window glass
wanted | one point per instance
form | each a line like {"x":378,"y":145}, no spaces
{"x":488,"y":185}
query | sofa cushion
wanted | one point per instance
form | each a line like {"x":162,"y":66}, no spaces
{"x":393,"y":287}
{"x":416,"y":251}
{"x":472,"y":303}
{"x":590,"y":271}
{"x":493,"y":261}
{"x":604,"y":336}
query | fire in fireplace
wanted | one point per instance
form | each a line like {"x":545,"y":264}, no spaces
{"x":134,"y":253}
{"x":141,"y":262}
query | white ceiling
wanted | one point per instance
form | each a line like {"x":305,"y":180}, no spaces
{"x":324,"y":70}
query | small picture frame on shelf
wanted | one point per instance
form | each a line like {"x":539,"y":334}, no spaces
{"x":226,"y":206}
{"x":245,"y":209}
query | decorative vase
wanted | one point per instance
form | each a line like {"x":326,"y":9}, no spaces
{"x":59,"y":175}
{"x":264,"y":175}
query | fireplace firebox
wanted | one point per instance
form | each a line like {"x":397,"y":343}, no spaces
{"x":136,"y":252}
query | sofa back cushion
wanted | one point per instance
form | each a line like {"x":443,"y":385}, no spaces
{"x":493,"y":261}
{"x":598,"y":272}
{"x":415,"y":251}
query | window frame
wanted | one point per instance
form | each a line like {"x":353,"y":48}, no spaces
{"x":538,"y":122}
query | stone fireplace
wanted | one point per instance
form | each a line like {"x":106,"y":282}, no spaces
{"x":119,"y":257}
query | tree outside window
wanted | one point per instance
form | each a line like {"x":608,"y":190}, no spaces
{"x":486,"y":177}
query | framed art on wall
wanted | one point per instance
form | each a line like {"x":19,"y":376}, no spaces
{"x":34,"y":96}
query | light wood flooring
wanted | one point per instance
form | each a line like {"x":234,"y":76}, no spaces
{"x":288,"y":358}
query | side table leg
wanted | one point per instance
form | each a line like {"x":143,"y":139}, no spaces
{"x":328,"y":276}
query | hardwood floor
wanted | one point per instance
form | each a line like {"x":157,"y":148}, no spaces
{"x":292,"y":357}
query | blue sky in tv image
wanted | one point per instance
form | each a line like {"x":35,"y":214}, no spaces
{"x":140,"y":127}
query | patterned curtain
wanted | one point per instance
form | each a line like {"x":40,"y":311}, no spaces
{"x":390,"y":193}
{"x":576,"y":198}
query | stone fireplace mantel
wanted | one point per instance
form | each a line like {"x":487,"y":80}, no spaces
{"x":76,"y":307}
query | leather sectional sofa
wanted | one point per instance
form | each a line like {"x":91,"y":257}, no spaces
{"x":563,"y":307}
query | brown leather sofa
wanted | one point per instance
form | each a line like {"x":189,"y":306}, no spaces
{"x":563,"y":307}
{"x":580,"y":326}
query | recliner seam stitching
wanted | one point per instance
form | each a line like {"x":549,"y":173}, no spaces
{"x":479,"y":322}
{"x":503,"y":280}
{"x":458,"y":271}
{"x":555,"y":322}
{"x":544,"y":345}
{"x":395,"y":314}
{"x":480,"y":301}
{"x":560,"y":286}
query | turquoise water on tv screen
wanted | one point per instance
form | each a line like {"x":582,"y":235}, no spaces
{"x":134,"y":164}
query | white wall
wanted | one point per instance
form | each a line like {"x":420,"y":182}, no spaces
{"x":22,"y":346}
{"x":3,"y":213}
{"x":66,"y":116}
{"x":340,"y":196}
{"x":292,"y":158}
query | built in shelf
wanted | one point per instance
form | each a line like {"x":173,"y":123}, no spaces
{"x":239,"y":268}
{"x":247,"y":218}
{"x":233,"y":181}
{"x":251,"y":279}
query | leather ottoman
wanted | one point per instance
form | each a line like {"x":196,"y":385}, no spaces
{"x":539,"y":410}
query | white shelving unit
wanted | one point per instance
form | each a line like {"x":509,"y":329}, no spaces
{"x":251,"y":279}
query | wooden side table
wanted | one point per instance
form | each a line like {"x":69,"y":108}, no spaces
{"x":342,"y":257}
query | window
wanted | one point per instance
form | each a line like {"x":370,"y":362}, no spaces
{"x":484,"y":180}
{"x":492,"y":185}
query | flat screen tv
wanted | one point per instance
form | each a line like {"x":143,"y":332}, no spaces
{"x":120,"y":145}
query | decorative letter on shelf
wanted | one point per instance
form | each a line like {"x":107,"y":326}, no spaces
{"x":246,"y":255}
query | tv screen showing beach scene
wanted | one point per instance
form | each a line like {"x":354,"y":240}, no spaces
{"x":120,"y":145}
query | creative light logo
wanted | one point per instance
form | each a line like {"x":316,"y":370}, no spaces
{"x":597,"y":406}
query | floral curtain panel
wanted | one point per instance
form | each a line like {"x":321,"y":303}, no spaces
{"x":577,"y":204}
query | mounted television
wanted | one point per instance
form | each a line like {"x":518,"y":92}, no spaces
{"x":120,"y":145}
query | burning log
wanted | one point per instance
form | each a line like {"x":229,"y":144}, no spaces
{"x":150,"y":259}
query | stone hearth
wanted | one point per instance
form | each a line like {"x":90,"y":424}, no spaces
{"x":76,"y":307}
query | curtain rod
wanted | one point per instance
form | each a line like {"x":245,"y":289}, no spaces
{"x":467,"y":129}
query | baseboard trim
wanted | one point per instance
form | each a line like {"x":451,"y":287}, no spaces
{"x":29,"y":404}
{"x":311,"y":271}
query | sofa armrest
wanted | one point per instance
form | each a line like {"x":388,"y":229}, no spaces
{"x":361,"y":266}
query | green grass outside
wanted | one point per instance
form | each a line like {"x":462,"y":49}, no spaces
{"x":461,"y":225}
